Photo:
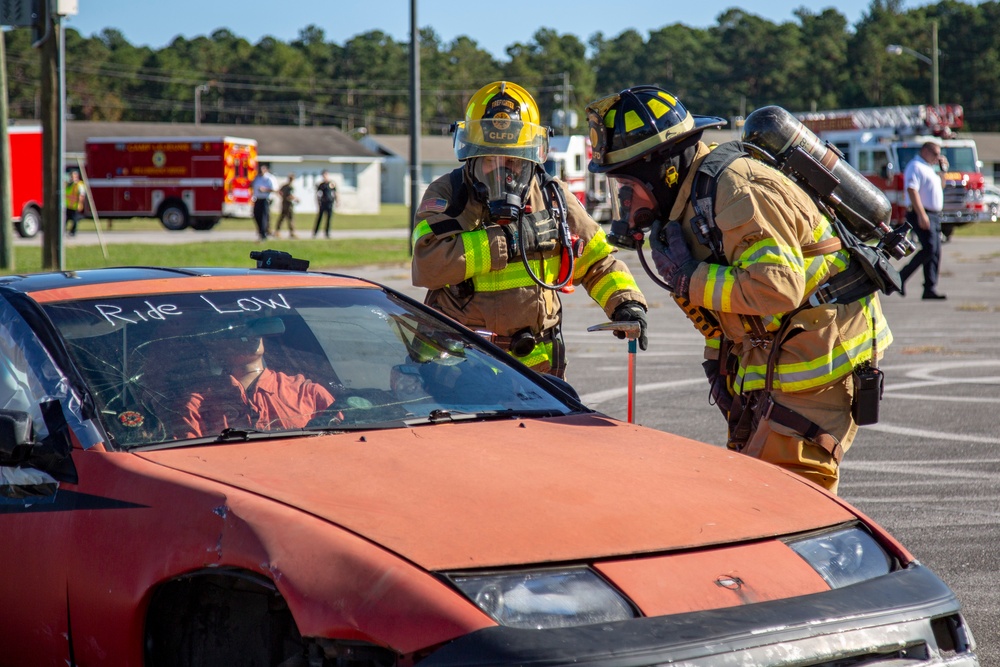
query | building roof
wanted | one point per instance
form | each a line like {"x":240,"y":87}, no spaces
{"x":272,"y":140}
{"x":433,"y":148}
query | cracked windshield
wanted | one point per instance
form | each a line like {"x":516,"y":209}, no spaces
{"x":235,"y":365}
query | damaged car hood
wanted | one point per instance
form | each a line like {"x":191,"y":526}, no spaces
{"x":497,"y":493}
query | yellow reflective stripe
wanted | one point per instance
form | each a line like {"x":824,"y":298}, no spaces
{"x":477,"y":252}
{"x":769,"y":251}
{"x":610,"y":284}
{"x":719,"y":288}
{"x":714,"y":343}
{"x":422,"y":229}
{"x":541,"y":354}
{"x":826,"y":368}
{"x":514,"y":275}
{"x":597,"y":248}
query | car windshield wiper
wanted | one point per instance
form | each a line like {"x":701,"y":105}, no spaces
{"x":226,"y":437}
{"x":443,"y":415}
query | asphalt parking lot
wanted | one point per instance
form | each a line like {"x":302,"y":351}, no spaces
{"x":929,"y":471}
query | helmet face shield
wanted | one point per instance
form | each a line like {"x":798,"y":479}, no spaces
{"x":633,"y":210}
{"x":501,"y":137}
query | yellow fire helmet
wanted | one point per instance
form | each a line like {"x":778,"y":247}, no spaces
{"x":502,"y":119}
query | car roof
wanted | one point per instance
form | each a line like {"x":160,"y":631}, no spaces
{"x":127,"y":280}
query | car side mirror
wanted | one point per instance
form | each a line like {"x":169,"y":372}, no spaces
{"x":15,"y":436}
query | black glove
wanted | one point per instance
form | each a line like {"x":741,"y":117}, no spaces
{"x":539,"y":237}
{"x":719,"y":388}
{"x":671,"y":256}
{"x":632,"y":311}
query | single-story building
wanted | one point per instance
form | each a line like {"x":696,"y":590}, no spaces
{"x":304,"y":151}
{"x":437,"y":157}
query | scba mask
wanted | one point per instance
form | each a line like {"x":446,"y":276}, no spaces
{"x":633,"y":210}
{"x":501,"y":183}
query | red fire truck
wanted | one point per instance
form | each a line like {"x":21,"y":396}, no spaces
{"x":880,"y":141}
{"x":183,"y":181}
{"x":26,"y":178}
{"x":569,"y":160}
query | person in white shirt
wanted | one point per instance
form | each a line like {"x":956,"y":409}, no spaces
{"x":263,"y":186}
{"x":924,"y":183}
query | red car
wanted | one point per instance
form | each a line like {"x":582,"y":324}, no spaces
{"x":273,"y":466}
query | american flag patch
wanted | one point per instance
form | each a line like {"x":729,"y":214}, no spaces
{"x":434,"y":205}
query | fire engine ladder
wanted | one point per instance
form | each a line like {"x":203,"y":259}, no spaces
{"x":916,"y":117}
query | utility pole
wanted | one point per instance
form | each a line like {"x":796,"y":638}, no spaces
{"x":414,"y":119}
{"x":6,"y":227}
{"x":53,"y":252}
{"x":565,"y":103}
{"x":198,"y":90}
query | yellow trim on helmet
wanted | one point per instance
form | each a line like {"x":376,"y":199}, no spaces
{"x":629,"y":152}
{"x":633,"y":121}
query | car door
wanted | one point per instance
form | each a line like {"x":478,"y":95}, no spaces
{"x":36,"y":411}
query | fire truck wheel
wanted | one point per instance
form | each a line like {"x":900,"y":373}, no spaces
{"x":30,"y":224}
{"x":174,"y":216}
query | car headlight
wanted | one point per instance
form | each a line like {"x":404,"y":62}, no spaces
{"x":844,"y":557}
{"x":545,"y":598}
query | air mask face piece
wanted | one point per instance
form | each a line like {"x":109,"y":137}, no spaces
{"x":506,"y":181}
{"x":633,"y":209}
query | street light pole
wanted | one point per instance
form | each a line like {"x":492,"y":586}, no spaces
{"x":934,"y":63}
{"x":898,"y":49}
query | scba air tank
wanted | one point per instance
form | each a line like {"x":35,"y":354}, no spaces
{"x":858,"y":203}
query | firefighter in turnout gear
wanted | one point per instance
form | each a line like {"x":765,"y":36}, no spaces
{"x":497,"y":240}
{"x":781,"y":369}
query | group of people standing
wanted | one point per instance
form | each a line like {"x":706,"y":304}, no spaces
{"x":265,"y":185}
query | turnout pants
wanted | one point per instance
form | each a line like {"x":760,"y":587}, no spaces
{"x":805,"y":432}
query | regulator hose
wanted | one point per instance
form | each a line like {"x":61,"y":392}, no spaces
{"x":553,"y":193}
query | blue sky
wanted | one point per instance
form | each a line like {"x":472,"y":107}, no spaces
{"x":493,"y":24}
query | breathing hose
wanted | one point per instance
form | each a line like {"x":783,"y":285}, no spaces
{"x":551,"y":188}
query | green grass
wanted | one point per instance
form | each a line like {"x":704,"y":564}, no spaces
{"x":979,"y":229}
{"x":322,"y":255}
{"x":391,"y":216}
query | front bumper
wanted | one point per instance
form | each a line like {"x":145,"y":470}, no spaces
{"x":909,"y":617}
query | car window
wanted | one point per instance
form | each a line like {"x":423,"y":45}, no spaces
{"x":181,"y":366}
{"x":30,"y":379}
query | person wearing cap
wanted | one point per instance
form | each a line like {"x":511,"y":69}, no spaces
{"x":494,"y":240}
{"x":743,"y":266}
{"x":247,"y":394}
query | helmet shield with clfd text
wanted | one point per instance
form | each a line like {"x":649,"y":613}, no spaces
{"x":501,"y":141}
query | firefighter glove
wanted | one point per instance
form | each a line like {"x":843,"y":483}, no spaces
{"x":540,"y":236}
{"x":719,"y":387}
{"x":671,"y":256}
{"x":632,"y":311}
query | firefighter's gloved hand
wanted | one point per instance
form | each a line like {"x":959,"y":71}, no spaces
{"x":719,"y":388}
{"x":671,"y":256}
{"x":632,"y":311}
{"x":540,"y":236}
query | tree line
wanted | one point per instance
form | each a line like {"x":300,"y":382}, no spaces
{"x":816,"y":61}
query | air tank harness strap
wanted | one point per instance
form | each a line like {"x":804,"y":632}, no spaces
{"x":787,"y":417}
{"x":756,"y":406}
